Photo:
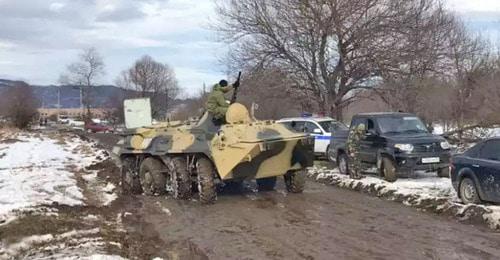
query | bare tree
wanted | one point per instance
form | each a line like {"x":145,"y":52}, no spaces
{"x":20,"y":104}
{"x":268,"y":89}
{"x":420,"y":52}
{"x":154,"y":80}
{"x":191,"y":107}
{"x":84,"y":73}
{"x":327,"y":45}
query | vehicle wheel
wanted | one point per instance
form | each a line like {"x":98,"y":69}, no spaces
{"x":330,"y":155}
{"x":130,"y":181}
{"x":343,"y":163}
{"x":389,"y":170}
{"x":266,"y":184}
{"x":444,"y":172}
{"x":206,"y":181}
{"x":295,"y":181}
{"x":153,"y":180}
{"x":180,"y":178}
{"x":468,"y":192}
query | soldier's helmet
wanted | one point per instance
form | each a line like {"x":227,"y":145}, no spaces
{"x":361,"y":128}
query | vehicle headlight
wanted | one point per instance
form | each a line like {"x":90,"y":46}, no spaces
{"x":404,"y":147}
{"x":445,"y":145}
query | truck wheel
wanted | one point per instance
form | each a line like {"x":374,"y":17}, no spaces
{"x":343,"y":163}
{"x":130,"y":181}
{"x":467,"y":191}
{"x":206,"y":181}
{"x":295,"y":181}
{"x":444,"y":172}
{"x":181,"y":178}
{"x":266,"y":184}
{"x":330,"y":154}
{"x":389,"y":170}
{"x":153,"y":180}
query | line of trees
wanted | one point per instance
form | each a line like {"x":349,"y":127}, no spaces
{"x":414,"y":55}
{"x":146,"y":78}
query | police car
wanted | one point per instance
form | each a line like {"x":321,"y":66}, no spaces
{"x":319,"y":127}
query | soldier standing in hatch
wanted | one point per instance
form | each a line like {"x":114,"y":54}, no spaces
{"x":217,"y":104}
{"x":356,"y":135}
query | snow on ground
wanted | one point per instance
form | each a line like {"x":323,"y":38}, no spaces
{"x":76,"y":244}
{"x":38,"y":170}
{"x":423,"y":190}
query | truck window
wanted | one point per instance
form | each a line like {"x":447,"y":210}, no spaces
{"x":297,"y":126}
{"x":310,"y":127}
{"x":371,"y":125}
{"x":491,"y":150}
{"x":357,"y":121}
{"x":398,"y":125}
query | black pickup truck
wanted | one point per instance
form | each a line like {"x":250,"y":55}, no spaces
{"x":394,"y":144}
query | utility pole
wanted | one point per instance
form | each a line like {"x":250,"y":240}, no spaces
{"x":81,"y":100}
{"x":58,"y":101}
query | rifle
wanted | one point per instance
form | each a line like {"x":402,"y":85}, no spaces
{"x":235,"y":91}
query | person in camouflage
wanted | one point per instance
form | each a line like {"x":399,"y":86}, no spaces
{"x":217,"y":104}
{"x":356,"y":135}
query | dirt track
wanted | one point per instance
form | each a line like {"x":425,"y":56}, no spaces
{"x":322,"y":223}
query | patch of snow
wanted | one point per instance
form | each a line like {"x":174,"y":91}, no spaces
{"x":39,"y":170}
{"x":75,"y":244}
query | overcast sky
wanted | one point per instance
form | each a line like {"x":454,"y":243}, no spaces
{"x":38,"y":38}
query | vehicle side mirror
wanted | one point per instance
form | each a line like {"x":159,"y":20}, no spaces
{"x":371,"y":132}
{"x":317,"y":131}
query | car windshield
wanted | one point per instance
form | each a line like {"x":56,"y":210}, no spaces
{"x":398,"y":125}
{"x":332,"y":125}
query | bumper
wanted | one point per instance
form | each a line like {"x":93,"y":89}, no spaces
{"x":413,"y":162}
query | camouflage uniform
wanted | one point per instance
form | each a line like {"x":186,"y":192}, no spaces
{"x":216,"y":103}
{"x":353,"y":150}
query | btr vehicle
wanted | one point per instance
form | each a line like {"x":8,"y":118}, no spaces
{"x":199,"y":156}
{"x":319,"y":127}
{"x":394,"y":144}
{"x":475,"y":174}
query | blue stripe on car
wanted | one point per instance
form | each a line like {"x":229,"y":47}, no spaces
{"x":320,"y":137}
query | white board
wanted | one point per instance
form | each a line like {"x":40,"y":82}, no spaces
{"x":137,"y":113}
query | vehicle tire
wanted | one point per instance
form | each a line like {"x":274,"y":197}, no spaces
{"x":153,"y":179}
{"x":130,"y":181}
{"x":389,"y":170}
{"x":444,"y":172}
{"x":343,"y":164}
{"x":180,"y":178}
{"x":266,"y":184}
{"x":330,"y":155}
{"x":467,"y":191}
{"x":206,"y":181}
{"x":295,"y":181}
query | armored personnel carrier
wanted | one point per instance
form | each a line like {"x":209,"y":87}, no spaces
{"x":182,"y":158}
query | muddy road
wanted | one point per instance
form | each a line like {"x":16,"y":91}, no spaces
{"x":322,"y":223}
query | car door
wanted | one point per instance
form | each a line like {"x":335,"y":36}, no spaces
{"x":489,"y":168}
{"x":366,"y":143}
{"x":314,"y":130}
{"x":371,"y":143}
